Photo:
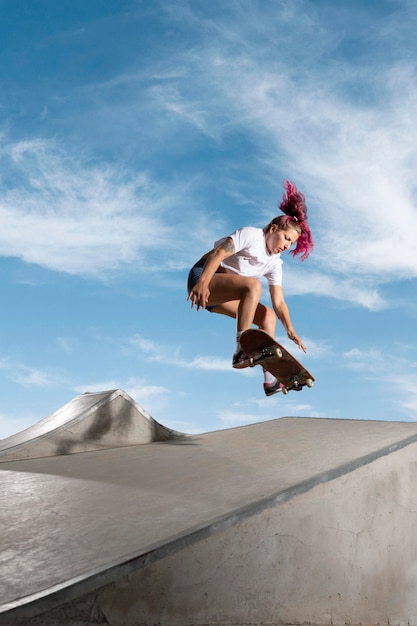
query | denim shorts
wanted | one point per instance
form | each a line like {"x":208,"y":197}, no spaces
{"x":194,"y":275}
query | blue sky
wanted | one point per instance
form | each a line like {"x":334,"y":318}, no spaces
{"x":133,"y":134}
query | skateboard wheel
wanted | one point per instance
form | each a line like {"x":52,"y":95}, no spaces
{"x":284,"y":391}
{"x":278,"y":353}
{"x":251,"y":362}
{"x":309,"y":382}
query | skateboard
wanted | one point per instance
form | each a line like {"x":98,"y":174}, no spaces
{"x":263,"y":350}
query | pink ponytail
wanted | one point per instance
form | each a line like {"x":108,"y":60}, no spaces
{"x":295,"y":209}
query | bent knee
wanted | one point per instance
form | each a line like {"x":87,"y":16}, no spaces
{"x":269,"y":318}
{"x":254,"y":286}
{"x":265,"y":319}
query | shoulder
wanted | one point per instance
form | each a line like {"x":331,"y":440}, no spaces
{"x":248,"y":234}
{"x":252,"y":231}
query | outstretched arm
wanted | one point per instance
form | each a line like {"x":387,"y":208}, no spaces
{"x":200,"y":293}
{"x":283,"y":314}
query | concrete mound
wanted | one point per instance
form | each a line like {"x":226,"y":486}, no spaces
{"x":91,"y":421}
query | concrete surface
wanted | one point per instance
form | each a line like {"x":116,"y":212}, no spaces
{"x":289,"y":521}
{"x":90,"y":421}
{"x":342,"y":553}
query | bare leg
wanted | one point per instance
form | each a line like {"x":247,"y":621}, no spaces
{"x":237,"y":296}
{"x":264,"y":316}
{"x":264,"y":319}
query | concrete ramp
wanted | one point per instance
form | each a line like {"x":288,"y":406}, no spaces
{"x":292,"y":521}
{"x":91,"y":421}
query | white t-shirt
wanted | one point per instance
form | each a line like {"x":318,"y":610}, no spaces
{"x":251,"y":257}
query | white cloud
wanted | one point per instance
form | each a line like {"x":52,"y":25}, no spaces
{"x":370,"y":361}
{"x":144,"y":391}
{"x":136,"y":388}
{"x":29,"y":377}
{"x":144,"y":344}
{"x":166,"y":354}
{"x":70,"y":215}
{"x":315,"y":349}
{"x":236,"y":418}
{"x":408,"y":397}
{"x":67,"y":344}
{"x":397,"y":375}
{"x":269,"y":408}
{"x":362,"y":291}
{"x":10,"y":424}
{"x":207,"y":362}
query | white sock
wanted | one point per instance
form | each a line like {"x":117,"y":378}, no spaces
{"x":268,"y":377}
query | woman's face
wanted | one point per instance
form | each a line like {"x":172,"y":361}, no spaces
{"x":277,"y":241}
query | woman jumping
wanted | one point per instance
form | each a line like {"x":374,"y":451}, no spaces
{"x":226,"y":279}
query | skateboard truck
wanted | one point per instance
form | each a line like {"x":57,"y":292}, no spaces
{"x":270,"y":352}
{"x":262,"y":349}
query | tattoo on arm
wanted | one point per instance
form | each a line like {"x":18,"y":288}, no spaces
{"x":228,"y":246}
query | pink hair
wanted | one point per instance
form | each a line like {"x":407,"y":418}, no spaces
{"x":294,"y":207}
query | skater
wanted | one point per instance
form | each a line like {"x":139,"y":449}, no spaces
{"x":226,"y":279}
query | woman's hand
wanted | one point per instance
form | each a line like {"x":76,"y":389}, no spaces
{"x":199,"y":295}
{"x":292,"y":335}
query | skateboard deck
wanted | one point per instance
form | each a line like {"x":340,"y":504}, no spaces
{"x":263,"y":350}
